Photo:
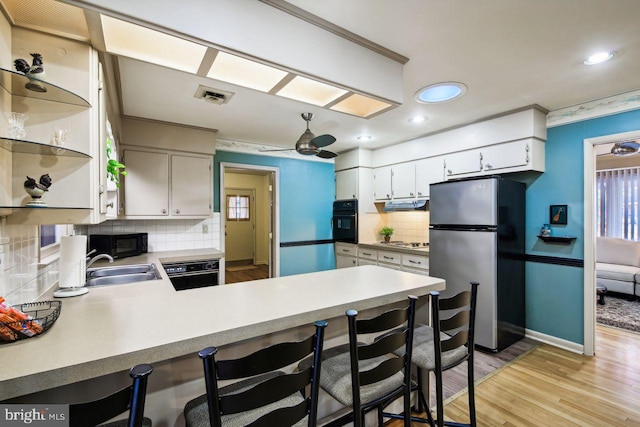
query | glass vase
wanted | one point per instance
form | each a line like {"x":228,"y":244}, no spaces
{"x":16,"y":125}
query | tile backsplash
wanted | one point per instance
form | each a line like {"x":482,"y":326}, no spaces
{"x":168,"y":234}
{"x":23,"y":279}
{"x":411,"y":226}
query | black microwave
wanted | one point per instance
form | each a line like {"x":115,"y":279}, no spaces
{"x":119,"y":245}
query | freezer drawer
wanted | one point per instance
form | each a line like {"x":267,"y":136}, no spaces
{"x":461,"y":257}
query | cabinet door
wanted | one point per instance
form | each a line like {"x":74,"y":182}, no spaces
{"x":146,"y":186}
{"x":347,"y":184}
{"x":504,"y":156}
{"x":191,"y":185}
{"x":382,"y":183}
{"x":428,"y":171}
{"x":463,"y":163}
{"x":404,"y":180}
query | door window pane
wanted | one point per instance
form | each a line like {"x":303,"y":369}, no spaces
{"x":237,"y":208}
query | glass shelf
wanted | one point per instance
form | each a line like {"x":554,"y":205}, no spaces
{"x":15,"y":84}
{"x":30,"y":147}
{"x":45,"y":207}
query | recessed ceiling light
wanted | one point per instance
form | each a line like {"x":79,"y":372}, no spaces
{"x":440,"y":92}
{"x":365,"y":138}
{"x":598,"y":58}
{"x":417,"y":119}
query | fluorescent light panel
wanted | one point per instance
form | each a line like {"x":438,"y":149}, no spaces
{"x":359,"y":105}
{"x":134,"y":41}
{"x":310,"y":91}
{"x":243,"y":72}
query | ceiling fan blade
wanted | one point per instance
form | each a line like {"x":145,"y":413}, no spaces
{"x":326,"y":154}
{"x":323,"y":140}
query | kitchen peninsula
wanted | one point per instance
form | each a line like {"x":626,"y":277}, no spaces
{"x":115,"y":327}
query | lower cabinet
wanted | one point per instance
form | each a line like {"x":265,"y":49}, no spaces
{"x":346,"y":255}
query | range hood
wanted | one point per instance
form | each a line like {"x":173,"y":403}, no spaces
{"x":405,"y":205}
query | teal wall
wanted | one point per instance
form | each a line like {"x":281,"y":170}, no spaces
{"x":307,"y":192}
{"x":554,"y":293}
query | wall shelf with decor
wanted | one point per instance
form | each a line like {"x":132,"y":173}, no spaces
{"x":32,"y":147}
{"x":15,"y":83}
{"x":557,"y":239}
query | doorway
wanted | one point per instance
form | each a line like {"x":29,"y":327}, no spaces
{"x":248,"y":216}
{"x":590,"y":147}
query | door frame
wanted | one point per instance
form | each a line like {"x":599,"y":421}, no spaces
{"x":274,"y":224}
{"x":589,"y":236}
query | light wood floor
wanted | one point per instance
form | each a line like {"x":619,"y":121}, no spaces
{"x":260,"y":272}
{"x":553,"y":387}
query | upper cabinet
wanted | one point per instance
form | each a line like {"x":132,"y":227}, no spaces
{"x":166,"y":184}
{"x":463,"y":163}
{"x":403,"y":180}
{"x":428,"y":171}
{"x":347,"y":184}
{"x":382,"y":183}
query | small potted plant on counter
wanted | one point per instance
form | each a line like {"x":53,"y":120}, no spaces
{"x":386,"y":232}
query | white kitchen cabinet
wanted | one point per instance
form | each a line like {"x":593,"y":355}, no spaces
{"x":390,"y":259}
{"x":191,"y":182}
{"x":463,"y":163}
{"x":403,"y":180}
{"x":346,"y":255}
{"x":347,"y":184}
{"x":415,"y":261}
{"x":513,"y":156}
{"x":382,"y":189}
{"x":428,"y":171}
{"x":167,"y":184}
{"x":369,"y":254}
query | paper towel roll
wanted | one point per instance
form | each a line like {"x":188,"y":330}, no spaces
{"x":73,"y":265}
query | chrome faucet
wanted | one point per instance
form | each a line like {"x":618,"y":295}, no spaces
{"x":97,"y":257}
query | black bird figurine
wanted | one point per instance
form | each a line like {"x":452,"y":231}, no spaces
{"x":44,"y":184}
{"x":34,"y":72}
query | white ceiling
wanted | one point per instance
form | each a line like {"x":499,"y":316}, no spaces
{"x":510,"y":54}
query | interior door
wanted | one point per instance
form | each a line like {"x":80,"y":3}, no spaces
{"x":240,"y":224}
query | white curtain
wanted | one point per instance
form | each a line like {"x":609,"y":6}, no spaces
{"x":617,"y":203}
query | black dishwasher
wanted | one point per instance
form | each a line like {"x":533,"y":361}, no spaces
{"x":193,"y":274}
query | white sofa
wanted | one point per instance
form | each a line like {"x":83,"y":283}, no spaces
{"x":618,"y":265}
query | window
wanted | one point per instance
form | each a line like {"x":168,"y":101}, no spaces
{"x":50,"y":241}
{"x":237,"y":208}
{"x":617,"y":195}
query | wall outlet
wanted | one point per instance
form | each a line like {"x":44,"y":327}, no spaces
{"x":205,"y":228}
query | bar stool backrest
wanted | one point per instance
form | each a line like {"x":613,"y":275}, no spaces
{"x":131,"y":398}
{"x":273,"y":389}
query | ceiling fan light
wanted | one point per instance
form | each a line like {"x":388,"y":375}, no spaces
{"x":626,"y":148}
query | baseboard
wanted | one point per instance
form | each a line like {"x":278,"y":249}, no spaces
{"x":555,"y":341}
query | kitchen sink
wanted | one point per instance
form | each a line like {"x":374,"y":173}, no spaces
{"x":120,"y":270}
{"x":120,"y":275}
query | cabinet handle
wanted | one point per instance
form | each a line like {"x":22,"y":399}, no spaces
{"x":354,"y":261}
{"x":345,"y":250}
{"x":414,"y":262}
{"x":419,"y":193}
{"x":365,"y":253}
{"x":109,"y":205}
{"x":177,"y":211}
{"x":387,"y":257}
{"x":488,"y":166}
{"x":411,"y":194}
{"x":164,"y":211}
{"x":449,"y":171}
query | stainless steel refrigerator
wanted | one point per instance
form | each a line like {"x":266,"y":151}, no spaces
{"x":477,"y":234}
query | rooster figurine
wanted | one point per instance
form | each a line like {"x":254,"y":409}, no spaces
{"x":37,"y":189}
{"x":34,"y":72}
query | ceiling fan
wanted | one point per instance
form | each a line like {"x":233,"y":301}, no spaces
{"x":625,"y":148}
{"x":309,"y":144}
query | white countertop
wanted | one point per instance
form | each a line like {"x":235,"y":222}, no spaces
{"x":115,"y":327}
{"x":420,"y":250}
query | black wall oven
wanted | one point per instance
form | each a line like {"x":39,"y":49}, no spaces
{"x":345,"y":221}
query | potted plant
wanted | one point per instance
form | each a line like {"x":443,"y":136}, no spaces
{"x":386,"y":232}
{"x":114,"y":167}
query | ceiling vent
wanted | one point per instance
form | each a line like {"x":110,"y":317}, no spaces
{"x":212,"y":95}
